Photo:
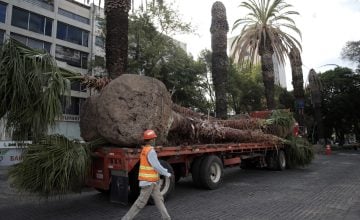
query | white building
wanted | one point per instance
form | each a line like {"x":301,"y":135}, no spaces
{"x":68,"y":30}
{"x":279,"y":70}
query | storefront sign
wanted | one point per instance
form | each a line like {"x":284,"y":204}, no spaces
{"x":11,"y":152}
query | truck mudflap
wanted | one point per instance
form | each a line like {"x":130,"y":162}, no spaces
{"x":119,"y":187}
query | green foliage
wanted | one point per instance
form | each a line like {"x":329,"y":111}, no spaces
{"x":153,"y":53}
{"x":286,"y":99}
{"x":351,"y":52}
{"x":281,"y":118}
{"x":266,"y":19}
{"x":245,"y":88}
{"x":31,"y":87}
{"x":340,"y":102}
{"x":280,"y":123}
{"x":52,"y":166}
{"x":299,"y":152}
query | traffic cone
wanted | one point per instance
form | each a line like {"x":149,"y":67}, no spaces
{"x":328,"y":149}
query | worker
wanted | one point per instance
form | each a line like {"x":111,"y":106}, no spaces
{"x":149,"y":171}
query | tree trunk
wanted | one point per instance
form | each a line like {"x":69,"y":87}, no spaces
{"x":117,"y":23}
{"x":267,"y":68}
{"x":298,"y":84}
{"x":315,"y":89}
{"x":131,"y":104}
{"x":219,"y":29}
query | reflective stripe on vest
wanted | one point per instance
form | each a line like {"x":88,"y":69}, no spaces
{"x":146,"y":171}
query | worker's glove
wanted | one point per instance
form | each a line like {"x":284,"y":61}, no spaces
{"x":168,"y":175}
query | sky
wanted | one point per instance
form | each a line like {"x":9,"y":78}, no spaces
{"x":326,"y":26}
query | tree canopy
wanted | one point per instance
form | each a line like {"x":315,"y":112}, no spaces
{"x":351,"y":52}
{"x":245,"y":90}
{"x":266,"y":19}
{"x":340,"y":103}
{"x":266,"y":35}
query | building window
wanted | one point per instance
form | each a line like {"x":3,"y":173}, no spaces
{"x":74,"y":106}
{"x":2,"y":34}
{"x":99,"y":41}
{"x":31,"y":21}
{"x":31,"y":42}
{"x":77,"y":86}
{"x":72,"y":34}
{"x":2,"y":12}
{"x":73,"y":16}
{"x":72,"y":57}
{"x":99,"y":61}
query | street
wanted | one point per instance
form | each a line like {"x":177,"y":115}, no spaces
{"x":328,"y":189}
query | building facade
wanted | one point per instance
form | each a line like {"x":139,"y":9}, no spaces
{"x":70,"y":32}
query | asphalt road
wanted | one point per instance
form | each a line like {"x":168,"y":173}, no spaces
{"x":328,"y":189}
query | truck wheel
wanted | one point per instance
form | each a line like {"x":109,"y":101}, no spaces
{"x":281,"y":160}
{"x":167,"y":185}
{"x":276,"y":160}
{"x":211,"y":172}
{"x":195,"y":171}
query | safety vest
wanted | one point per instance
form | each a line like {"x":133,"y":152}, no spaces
{"x":146,"y":171}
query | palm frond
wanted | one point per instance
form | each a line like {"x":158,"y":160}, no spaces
{"x":31,"y":85}
{"x":52,"y":166}
{"x":267,"y":19}
{"x":299,"y":152}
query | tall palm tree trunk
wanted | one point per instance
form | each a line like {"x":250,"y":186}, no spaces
{"x":267,"y":68}
{"x":219,"y":29}
{"x":117,"y":23}
{"x":298,"y":84}
{"x":315,"y":89}
{"x":266,"y":52}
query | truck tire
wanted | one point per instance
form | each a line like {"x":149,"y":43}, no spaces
{"x":276,"y":160}
{"x":281,"y":160}
{"x":195,"y":171}
{"x":167,"y":185}
{"x":211,"y":170}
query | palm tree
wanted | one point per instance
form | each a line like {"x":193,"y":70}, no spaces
{"x":315,"y":91}
{"x":117,"y":22}
{"x":117,"y":28}
{"x":298,"y":83}
{"x":263,"y":35}
{"x":31,"y":89}
{"x":219,"y":29}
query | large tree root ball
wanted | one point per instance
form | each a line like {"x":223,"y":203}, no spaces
{"x":129,"y":105}
{"x":88,"y":116}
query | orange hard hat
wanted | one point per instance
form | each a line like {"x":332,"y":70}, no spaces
{"x":149,"y":134}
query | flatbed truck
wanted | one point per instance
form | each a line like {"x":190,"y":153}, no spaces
{"x":115,"y":169}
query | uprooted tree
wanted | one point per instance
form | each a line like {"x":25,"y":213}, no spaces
{"x":131,"y":104}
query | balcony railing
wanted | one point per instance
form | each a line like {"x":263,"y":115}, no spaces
{"x":42,"y":3}
{"x":66,"y":117}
